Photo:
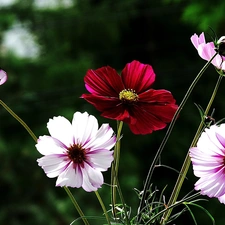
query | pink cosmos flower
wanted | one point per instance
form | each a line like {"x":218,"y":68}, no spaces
{"x":76,"y":153}
{"x":207,"y":50}
{"x":129,"y":97}
{"x":208,"y":160}
{"x":3,"y":77}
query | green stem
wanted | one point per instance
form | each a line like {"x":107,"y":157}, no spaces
{"x":76,"y":205}
{"x":35,"y":139}
{"x":165,"y":139}
{"x":123,"y":203}
{"x":190,"y":198}
{"x":19,"y":120}
{"x":103,"y":207}
{"x":187,"y":160}
{"x":115,"y":167}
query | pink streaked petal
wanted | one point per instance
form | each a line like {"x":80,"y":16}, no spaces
{"x":104,"y":139}
{"x":206,"y":51}
{"x":107,"y":145}
{"x":60,"y":128}
{"x":221,"y":139}
{"x":218,"y":62}
{"x":53,"y":165}
{"x":222,"y":199}
{"x":85,"y":127}
{"x":100,"y":159}
{"x":3,"y":77}
{"x":200,"y":155}
{"x":47,"y":145}
{"x":138,"y":76}
{"x":104,"y":81}
{"x":196,"y":41}
{"x":212,"y":185}
{"x":223,"y":65}
{"x":70,"y":177}
{"x":219,"y":133}
{"x":208,"y":143}
{"x":215,"y":145}
{"x":92,"y":178}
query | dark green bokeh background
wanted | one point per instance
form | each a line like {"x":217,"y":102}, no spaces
{"x":93,"y":34}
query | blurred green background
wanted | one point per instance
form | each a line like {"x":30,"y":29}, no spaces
{"x":46,"y":47}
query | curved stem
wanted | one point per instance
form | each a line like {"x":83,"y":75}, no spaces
{"x":151,"y":169}
{"x":19,"y":120}
{"x":187,"y":160}
{"x":103,"y":207}
{"x":115,"y":167}
{"x":123,"y":203}
{"x":76,"y":205}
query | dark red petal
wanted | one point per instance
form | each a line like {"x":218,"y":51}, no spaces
{"x":137,"y":76}
{"x":119,"y":113}
{"x":146,"y":125}
{"x":110,"y":107}
{"x":104,"y":81}
{"x":101,"y":103}
{"x":159,"y":96}
{"x":151,"y":117}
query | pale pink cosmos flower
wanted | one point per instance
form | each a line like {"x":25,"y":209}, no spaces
{"x":3,"y":77}
{"x":76,"y":153}
{"x":207,"y":50}
{"x":208,"y":160}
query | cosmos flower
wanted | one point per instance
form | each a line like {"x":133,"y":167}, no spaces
{"x":76,"y":153}
{"x":3,"y":77}
{"x":207,"y":50}
{"x":129,"y":97}
{"x":208,"y":160}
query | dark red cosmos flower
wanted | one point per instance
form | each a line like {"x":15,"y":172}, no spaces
{"x":129,"y":97}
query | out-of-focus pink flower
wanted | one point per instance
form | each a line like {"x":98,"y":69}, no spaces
{"x":129,"y":97}
{"x":207,"y":51}
{"x":3,"y":77}
{"x":76,"y":153}
{"x":208,"y":160}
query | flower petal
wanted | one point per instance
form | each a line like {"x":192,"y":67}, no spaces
{"x":208,"y":162}
{"x":104,"y":81}
{"x":104,"y":139}
{"x":138,"y":76}
{"x":47,"y":145}
{"x":3,"y":77}
{"x":196,"y":41}
{"x":61,"y":129}
{"x":100,"y":159}
{"x":92,"y":178}
{"x":70,"y":177}
{"x":85,"y":127}
{"x":53,"y":165}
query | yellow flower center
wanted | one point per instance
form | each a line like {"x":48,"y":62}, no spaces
{"x":128,"y":95}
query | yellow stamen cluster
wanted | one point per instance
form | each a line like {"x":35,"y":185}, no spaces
{"x":128,"y":95}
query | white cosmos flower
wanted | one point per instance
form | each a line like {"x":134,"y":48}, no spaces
{"x":76,"y":153}
{"x":208,"y":160}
